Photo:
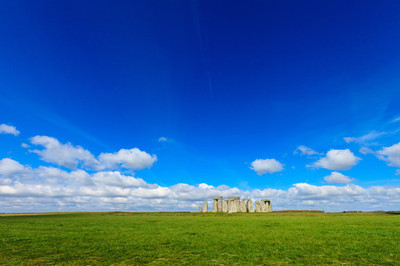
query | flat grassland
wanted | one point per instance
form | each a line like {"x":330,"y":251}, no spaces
{"x":200,"y":238}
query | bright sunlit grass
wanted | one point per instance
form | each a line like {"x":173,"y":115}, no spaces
{"x":166,"y":238}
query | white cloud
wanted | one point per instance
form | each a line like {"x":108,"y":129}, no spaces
{"x":52,"y":175}
{"x":337,"y":160}
{"x":53,"y":189}
{"x":132,"y":159}
{"x":263,"y":166}
{"x":365,"y":139}
{"x":6,"y":129}
{"x":65,"y":155}
{"x":365,"y":150}
{"x":304,"y":150}
{"x":390,"y":154}
{"x":116,"y":179}
{"x":24,"y":145}
{"x":162,"y":139}
{"x":337,"y":178}
{"x":9,"y":167}
{"x":71,"y":156}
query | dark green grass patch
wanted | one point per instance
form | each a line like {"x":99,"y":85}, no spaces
{"x":169,"y":238}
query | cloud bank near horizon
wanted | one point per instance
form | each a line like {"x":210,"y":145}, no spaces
{"x":81,"y":181}
{"x":46,"y":188}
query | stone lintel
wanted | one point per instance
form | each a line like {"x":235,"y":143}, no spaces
{"x":233,"y":198}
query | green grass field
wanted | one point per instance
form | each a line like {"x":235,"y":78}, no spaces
{"x":209,"y":238}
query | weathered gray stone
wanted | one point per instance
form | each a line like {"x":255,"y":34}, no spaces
{"x":236,"y":202}
{"x":243,"y":207}
{"x":233,"y":205}
{"x":215,"y":205}
{"x":269,"y":206}
{"x":220,"y":204}
{"x":225,"y":206}
{"x":205,"y":206}
{"x":266,"y":205}
{"x":200,"y":210}
{"x":250,"y":206}
{"x":233,"y":198}
{"x":263,"y":206}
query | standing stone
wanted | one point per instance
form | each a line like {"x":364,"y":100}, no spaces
{"x":229,"y":203}
{"x":269,"y":206}
{"x":246,"y":200}
{"x":263,"y":206}
{"x":266,"y":205}
{"x":234,"y":207}
{"x":200,"y":210}
{"x":234,"y":204}
{"x":215,"y":205}
{"x":243,"y":206}
{"x":205,"y":206}
{"x":258,"y":206}
{"x":237,"y":203}
{"x":250,"y":206}
{"x":225,"y":206}
{"x":219,"y":204}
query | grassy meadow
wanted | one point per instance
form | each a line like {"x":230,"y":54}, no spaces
{"x":200,"y":238}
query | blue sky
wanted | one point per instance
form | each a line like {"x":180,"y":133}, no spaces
{"x":232,"y":88}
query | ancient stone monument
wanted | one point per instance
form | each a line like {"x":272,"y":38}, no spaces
{"x":205,"y":206}
{"x":225,"y":206}
{"x":234,"y":204}
{"x":266,"y":205}
{"x":250,"y":206}
{"x":243,"y":207}
{"x":217,"y":204}
{"x":258,"y":207}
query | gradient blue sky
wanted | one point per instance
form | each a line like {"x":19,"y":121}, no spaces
{"x":224,"y":82}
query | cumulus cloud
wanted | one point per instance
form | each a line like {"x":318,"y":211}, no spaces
{"x":337,"y":160}
{"x":304,"y":150}
{"x":264,"y":166}
{"x":130,"y":159}
{"x":65,"y":155}
{"x":6,"y":129}
{"x":53,"y":189}
{"x":9,"y":167}
{"x":337,"y":178}
{"x":116,"y":179}
{"x":365,"y":139}
{"x":390,"y":154}
{"x":71,"y":156}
